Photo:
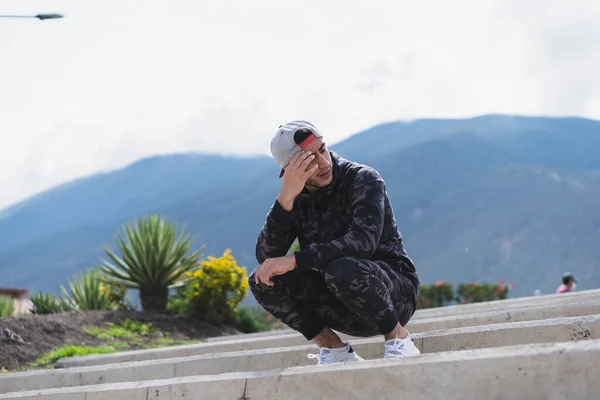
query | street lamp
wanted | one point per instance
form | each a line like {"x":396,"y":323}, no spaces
{"x":41,"y":17}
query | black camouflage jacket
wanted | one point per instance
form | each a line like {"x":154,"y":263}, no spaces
{"x":350,"y":217}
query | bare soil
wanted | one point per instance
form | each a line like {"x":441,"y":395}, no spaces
{"x":42,"y":333}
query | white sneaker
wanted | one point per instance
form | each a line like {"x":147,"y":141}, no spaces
{"x":400,"y":348}
{"x":331,"y":356}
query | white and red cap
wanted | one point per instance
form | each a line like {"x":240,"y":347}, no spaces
{"x":291,"y":138}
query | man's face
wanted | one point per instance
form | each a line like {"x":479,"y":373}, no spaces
{"x":324,"y":174}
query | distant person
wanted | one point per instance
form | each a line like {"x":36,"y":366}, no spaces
{"x":569,"y":283}
{"x":352,"y":273}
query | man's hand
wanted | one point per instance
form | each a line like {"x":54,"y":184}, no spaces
{"x":272,"y":267}
{"x":294,"y":179}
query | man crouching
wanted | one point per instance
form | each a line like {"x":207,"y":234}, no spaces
{"x":352,"y":274}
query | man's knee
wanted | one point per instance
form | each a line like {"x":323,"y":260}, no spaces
{"x":258,"y":289}
{"x":252,"y":285}
{"x":344,"y":269}
{"x":261,"y":292}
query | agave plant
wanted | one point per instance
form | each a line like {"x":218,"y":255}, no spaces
{"x":153,"y":260}
{"x":88,"y":292}
{"x":7,"y":306}
{"x":47,"y":303}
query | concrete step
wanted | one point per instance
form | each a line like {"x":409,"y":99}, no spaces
{"x":294,"y":339}
{"x":508,"y":304}
{"x":497,"y":305}
{"x":566,"y":370}
{"x":546,"y":331}
{"x":249,"y":335}
{"x":535,"y":312}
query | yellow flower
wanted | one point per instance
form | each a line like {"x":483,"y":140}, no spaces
{"x":218,"y":285}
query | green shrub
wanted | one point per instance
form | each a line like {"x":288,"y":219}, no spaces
{"x":7,"y":306}
{"x":153,"y":259}
{"x":255,"y":319}
{"x":437,"y":295}
{"x":47,"y":303}
{"x":178,"y":305}
{"x":474,"y":292}
{"x":87,"y":292}
{"x":442,"y":294}
{"x":217,"y":288}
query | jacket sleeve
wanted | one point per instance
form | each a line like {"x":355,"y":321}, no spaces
{"x":277,"y":235}
{"x":366,"y":225}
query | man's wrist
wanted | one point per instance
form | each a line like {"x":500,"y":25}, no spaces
{"x":287,"y":202}
{"x":292,"y":258}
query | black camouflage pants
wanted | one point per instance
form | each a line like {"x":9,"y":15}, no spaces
{"x":353,"y":296}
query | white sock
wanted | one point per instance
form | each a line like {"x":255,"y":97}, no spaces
{"x":344,"y":349}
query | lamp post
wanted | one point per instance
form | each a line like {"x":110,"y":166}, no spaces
{"x":41,"y":17}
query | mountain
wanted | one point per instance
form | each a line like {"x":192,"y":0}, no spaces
{"x":479,"y":199}
{"x":142,"y":186}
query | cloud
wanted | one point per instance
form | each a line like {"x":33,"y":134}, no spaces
{"x":374,"y":77}
{"x":558,"y":49}
{"x":119,"y":80}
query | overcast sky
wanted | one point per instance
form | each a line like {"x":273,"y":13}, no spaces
{"x":118,"y":80}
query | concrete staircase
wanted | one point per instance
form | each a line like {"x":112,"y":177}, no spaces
{"x":544,"y":347}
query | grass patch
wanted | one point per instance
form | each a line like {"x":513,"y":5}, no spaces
{"x":126,"y":335}
{"x":120,"y":345}
{"x":72,"y":351}
{"x":125,"y":330}
{"x":137,"y":327}
{"x":130,"y":334}
{"x":110,"y":333}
